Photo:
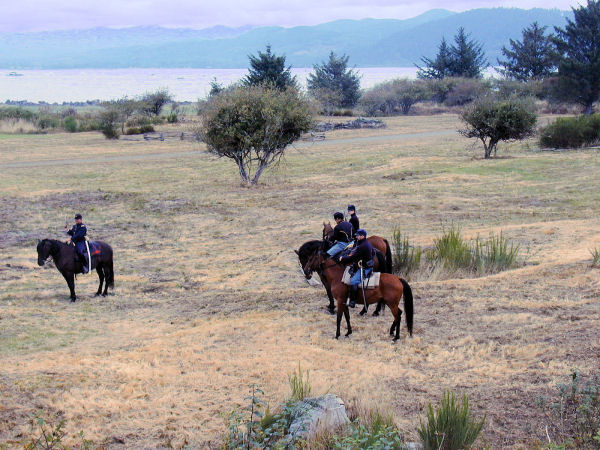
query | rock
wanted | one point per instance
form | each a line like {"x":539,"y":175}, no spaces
{"x":313,"y":415}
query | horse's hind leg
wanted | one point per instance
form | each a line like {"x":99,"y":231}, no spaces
{"x":380,"y":307}
{"x":347,"y":316}
{"x":100,"y":271}
{"x":396,"y":324}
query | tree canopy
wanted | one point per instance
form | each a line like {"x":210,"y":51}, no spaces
{"x":492,"y":121}
{"x":579,"y":64}
{"x":269,"y":68}
{"x":465,"y":58}
{"x":533,"y":58}
{"x":333,"y":81}
{"x":253,"y":126}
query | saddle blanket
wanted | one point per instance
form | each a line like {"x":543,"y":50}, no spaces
{"x":369,"y":283}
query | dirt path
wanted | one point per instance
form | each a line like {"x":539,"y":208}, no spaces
{"x":170,"y":155}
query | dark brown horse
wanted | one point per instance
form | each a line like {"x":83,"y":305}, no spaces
{"x":68,"y":264}
{"x":377,"y":242}
{"x":309,"y":248}
{"x":391,"y":289}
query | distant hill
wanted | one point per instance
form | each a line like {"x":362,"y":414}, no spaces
{"x":368,"y":42}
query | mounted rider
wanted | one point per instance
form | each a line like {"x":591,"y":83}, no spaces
{"x":78,"y":233}
{"x":362,"y":257}
{"x":353,"y":219}
{"x":342,"y":235}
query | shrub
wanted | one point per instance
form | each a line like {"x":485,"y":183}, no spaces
{"x":495,"y":254}
{"x":393,"y":97}
{"x":109,"y":123}
{"x":70,"y":124}
{"x":132,"y":130}
{"x":407,"y":258}
{"x":450,"y":426}
{"x":451,"y":250}
{"x":172,"y":118}
{"x":466,"y":90}
{"x":595,"y":252}
{"x":571,"y":132}
{"x":378,"y":433}
{"x":146,"y":129}
{"x":575,"y":415}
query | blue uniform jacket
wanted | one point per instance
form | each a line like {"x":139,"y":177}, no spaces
{"x":362,"y":252}
{"x":77,"y":234}
{"x":342,"y":232}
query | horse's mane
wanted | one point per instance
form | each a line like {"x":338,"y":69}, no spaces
{"x":308,"y":248}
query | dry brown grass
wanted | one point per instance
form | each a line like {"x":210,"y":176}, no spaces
{"x":209,"y":297}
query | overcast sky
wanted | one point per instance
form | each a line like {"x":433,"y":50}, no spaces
{"x":42,"y":15}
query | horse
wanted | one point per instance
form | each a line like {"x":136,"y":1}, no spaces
{"x":68,"y":264}
{"x":377,"y":242}
{"x":309,"y":248}
{"x":391,"y":289}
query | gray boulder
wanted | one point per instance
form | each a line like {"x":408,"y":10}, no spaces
{"x":313,"y":415}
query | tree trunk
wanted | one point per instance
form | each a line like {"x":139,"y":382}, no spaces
{"x":589,"y":109}
{"x":243,"y":172}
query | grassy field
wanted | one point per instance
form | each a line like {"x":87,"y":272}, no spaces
{"x":209,"y":296}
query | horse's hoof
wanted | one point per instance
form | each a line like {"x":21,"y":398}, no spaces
{"x":331,"y":311}
{"x":395,"y":339}
{"x":105,"y":294}
{"x":96,"y":294}
{"x":375,"y":314}
{"x":337,"y":337}
{"x":363,"y":312}
{"x":348,"y":333}
{"x":72,"y":300}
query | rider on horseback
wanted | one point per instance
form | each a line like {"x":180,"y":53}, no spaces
{"x":362,"y":257}
{"x":353,"y":219}
{"x":77,"y":234}
{"x":342,"y":235}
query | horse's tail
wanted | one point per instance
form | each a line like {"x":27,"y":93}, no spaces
{"x":388,"y":257}
{"x":381,"y":261}
{"x":408,"y":305}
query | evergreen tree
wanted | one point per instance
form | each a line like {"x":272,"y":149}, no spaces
{"x":534,"y":58}
{"x":269,"y":68}
{"x":467,"y":56}
{"x":579,"y":65}
{"x":463,"y":59}
{"x":334,"y":77}
{"x":440,"y":67}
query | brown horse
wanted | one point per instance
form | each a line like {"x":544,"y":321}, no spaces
{"x":377,"y":242}
{"x":309,"y":248}
{"x":391,"y":289}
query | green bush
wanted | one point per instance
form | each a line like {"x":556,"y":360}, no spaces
{"x":571,"y":132}
{"x":146,"y":129}
{"x":16,"y":112}
{"x":172,"y":118}
{"x":407,"y":258}
{"x":70,"y":124}
{"x":494,"y":254}
{"x":595,"y":252}
{"x":109,"y":123}
{"x":378,"y":433}
{"x":132,"y":130}
{"x":450,"y":427}
{"x":452,"y":251}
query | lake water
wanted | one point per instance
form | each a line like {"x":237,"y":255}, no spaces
{"x":56,"y":86}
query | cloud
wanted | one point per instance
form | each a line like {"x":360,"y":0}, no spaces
{"x":41,"y":15}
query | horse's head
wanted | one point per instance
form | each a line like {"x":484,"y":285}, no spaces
{"x":314,"y":263}
{"x":327,"y":231}
{"x":43,"y":251}
{"x":306,"y":251}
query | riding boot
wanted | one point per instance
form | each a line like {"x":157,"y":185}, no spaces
{"x":84,"y":263}
{"x":353,"y":295}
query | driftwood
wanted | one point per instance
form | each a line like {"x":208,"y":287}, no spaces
{"x":360,"y":122}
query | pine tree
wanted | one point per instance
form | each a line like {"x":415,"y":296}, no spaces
{"x":269,"y":68}
{"x":440,"y":67}
{"x":579,"y":47}
{"x":534,"y":58}
{"x":334,"y":77}
{"x":468,"y":58}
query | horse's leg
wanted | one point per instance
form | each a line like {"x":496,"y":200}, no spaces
{"x":70,"y":277}
{"x":396,"y":324}
{"x":331,"y":306}
{"x":380,"y":306}
{"x":347,"y":316}
{"x":339,"y":321}
{"x":100,"y":271}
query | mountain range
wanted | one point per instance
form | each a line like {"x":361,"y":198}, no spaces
{"x":368,"y":42}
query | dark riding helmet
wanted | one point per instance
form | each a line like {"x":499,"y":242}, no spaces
{"x":351,"y":208}
{"x":361,"y":232}
{"x":338,"y":215}
{"x":78,"y":216}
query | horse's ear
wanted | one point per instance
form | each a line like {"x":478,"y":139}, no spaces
{"x":39,"y":241}
{"x":324,"y":223}
{"x":296,"y":251}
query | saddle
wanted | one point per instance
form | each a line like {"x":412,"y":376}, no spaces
{"x":94,"y":251}
{"x":370,"y":282}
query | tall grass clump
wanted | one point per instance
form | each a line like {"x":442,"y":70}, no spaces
{"x":407,"y":258}
{"x":595,"y":252}
{"x":450,"y":426}
{"x":451,"y":250}
{"x":300,"y":384}
{"x":495,"y":254}
{"x":378,"y":431}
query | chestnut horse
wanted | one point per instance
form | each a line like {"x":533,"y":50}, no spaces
{"x":391,"y":289}
{"x":309,"y":248}
{"x":377,"y":242}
